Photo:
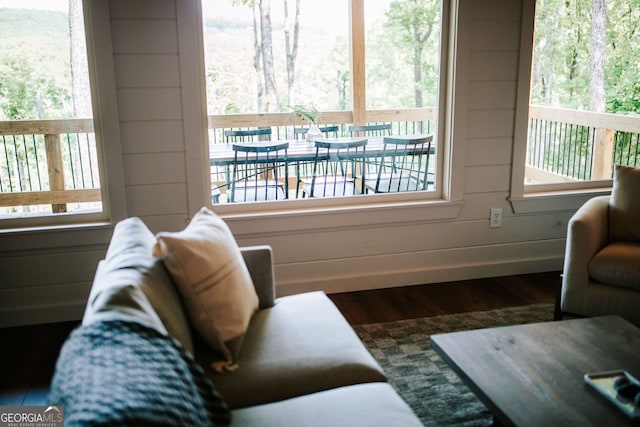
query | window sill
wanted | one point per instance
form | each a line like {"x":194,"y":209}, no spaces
{"x":553,"y":201}
{"x":319,"y":217}
{"x":55,"y":236}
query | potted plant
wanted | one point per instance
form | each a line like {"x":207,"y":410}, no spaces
{"x":311,"y":114}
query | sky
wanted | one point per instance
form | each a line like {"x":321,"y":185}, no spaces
{"x":58,"y":5}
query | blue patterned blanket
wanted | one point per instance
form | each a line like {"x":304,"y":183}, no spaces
{"x":125,"y":373}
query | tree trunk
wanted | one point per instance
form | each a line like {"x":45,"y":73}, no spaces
{"x":81,"y":93}
{"x":271,"y":93}
{"x":596,"y":64}
{"x":257,"y":63}
{"x":291,"y":45}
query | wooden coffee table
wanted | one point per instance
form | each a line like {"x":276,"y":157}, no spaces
{"x":533,"y":375}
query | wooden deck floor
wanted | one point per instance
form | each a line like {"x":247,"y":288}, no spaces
{"x":29,"y":352}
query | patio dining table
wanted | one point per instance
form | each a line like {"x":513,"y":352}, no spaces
{"x":221,"y":156}
{"x":299,"y":151}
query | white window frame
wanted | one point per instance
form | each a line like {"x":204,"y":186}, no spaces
{"x":445,"y":202}
{"x":549,"y":197}
{"x":106,"y":128}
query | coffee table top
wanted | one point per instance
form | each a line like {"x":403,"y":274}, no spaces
{"x":534,"y":374}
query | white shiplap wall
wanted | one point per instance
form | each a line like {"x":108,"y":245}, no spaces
{"x":46,"y":275}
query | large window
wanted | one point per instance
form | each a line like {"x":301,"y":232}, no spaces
{"x":48,"y":155}
{"x":584,"y":109}
{"x":373,"y":62}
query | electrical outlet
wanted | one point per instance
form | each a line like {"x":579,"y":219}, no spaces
{"x":495,"y":219}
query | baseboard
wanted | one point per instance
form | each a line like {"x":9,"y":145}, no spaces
{"x":427,"y":275}
{"x":41,"y":314}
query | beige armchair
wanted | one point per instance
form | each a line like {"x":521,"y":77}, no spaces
{"x":602,"y":259}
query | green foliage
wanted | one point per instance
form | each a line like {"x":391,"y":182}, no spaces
{"x":407,"y":40}
{"x":323,"y":63}
{"x":34,"y":64}
{"x":28,"y":90}
{"x":560,"y":73}
{"x":308,"y":112}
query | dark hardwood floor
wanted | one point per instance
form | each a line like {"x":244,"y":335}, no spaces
{"x":388,"y":305}
{"x":29,"y":352}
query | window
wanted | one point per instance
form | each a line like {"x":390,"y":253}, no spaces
{"x":49,"y":159}
{"x":374,"y":62}
{"x":582,"y":102}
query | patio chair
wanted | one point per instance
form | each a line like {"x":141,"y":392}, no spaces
{"x":257,"y":169}
{"x":336,"y":166}
{"x":247,"y":135}
{"x":403,"y":165}
{"x":303,"y":168}
{"x":374,"y":130}
{"x":327,"y":132}
{"x":371,"y":130}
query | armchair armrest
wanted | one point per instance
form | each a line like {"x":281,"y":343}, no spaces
{"x":259,"y":261}
{"x":587,"y":233}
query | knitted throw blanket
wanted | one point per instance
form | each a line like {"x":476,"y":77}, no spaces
{"x":125,"y":373}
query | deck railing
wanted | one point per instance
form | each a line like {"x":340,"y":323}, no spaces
{"x":571,"y":145}
{"x":283,"y":125}
{"x":48,"y":162}
{"x":54,"y":162}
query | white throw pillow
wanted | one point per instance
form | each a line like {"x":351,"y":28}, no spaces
{"x":209,"y":271}
{"x":131,"y":280}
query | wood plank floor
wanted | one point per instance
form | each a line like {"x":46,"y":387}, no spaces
{"x":29,"y":353}
{"x":388,"y":305}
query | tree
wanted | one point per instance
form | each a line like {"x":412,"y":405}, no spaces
{"x":263,"y":54}
{"x":412,"y":23}
{"x":291,"y":44}
{"x":81,"y":94}
{"x":585,"y":55}
{"x":27,"y":89}
{"x":597,"y":57}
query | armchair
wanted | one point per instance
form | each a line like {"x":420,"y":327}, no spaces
{"x":602,"y":259}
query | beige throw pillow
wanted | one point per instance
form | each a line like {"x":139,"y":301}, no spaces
{"x":624,"y":205}
{"x":207,"y":266}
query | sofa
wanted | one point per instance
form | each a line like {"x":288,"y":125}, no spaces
{"x":602,"y":259}
{"x":140,"y":356}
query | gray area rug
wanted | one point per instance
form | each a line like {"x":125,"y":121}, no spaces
{"x":423,"y":379}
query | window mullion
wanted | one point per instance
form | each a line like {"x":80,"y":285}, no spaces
{"x":358,"y":83}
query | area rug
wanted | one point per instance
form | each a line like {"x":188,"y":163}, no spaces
{"x":421,"y":377}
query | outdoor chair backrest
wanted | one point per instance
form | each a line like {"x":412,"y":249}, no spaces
{"x":403,"y":165}
{"x":327,"y":131}
{"x":371,"y":130}
{"x":247,"y":135}
{"x":337,"y":168}
{"x":260,"y":172}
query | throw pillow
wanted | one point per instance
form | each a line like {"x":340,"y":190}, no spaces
{"x":207,"y":266}
{"x":131,"y":282}
{"x":624,"y":205}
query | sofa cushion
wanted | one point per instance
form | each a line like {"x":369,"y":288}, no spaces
{"x":624,"y":205}
{"x":301,"y":345}
{"x":113,"y":297}
{"x":131,"y":281}
{"x":372,"y":405}
{"x":617,"y":264}
{"x":208,"y":268}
